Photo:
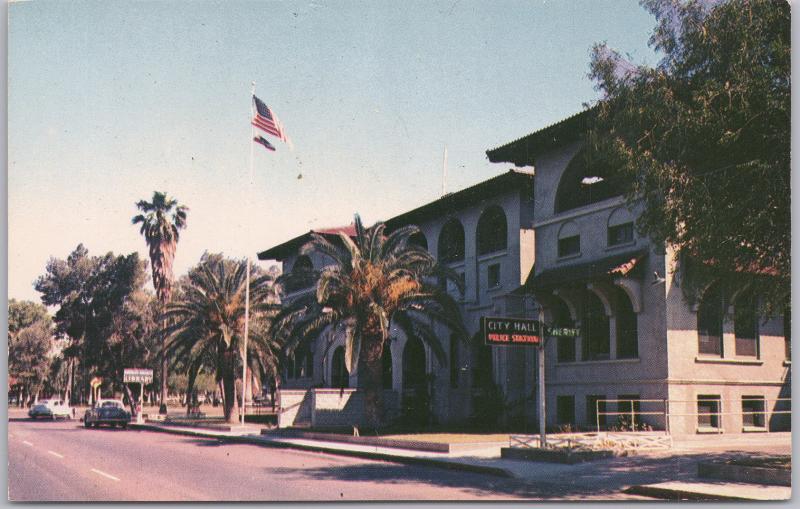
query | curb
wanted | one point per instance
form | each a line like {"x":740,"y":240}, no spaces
{"x":671,"y":494}
{"x":408,"y":460}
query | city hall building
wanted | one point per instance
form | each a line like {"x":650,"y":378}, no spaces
{"x":556,"y":234}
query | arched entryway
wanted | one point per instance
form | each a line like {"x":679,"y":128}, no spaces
{"x":340,"y":378}
{"x":416,"y":400}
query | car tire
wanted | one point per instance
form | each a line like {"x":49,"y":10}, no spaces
{"x":123,"y":426}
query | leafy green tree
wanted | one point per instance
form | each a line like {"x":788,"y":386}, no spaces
{"x":373,"y":283}
{"x":24,"y":313}
{"x":704,"y":135}
{"x":122,"y":320}
{"x":65,"y":285}
{"x":161,"y":220}
{"x":206,"y":324}
{"x":30,"y":331}
{"x":104,"y":310}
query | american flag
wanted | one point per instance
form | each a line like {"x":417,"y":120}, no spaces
{"x":266,"y":120}
{"x":263,"y":141}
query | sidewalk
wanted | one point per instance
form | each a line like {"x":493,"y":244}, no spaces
{"x":666,"y":474}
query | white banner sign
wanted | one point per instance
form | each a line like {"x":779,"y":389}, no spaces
{"x":136,"y":375}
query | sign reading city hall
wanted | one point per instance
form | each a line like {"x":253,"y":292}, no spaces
{"x":518,"y":331}
{"x":511,"y":331}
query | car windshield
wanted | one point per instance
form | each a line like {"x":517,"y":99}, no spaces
{"x":110,"y":404}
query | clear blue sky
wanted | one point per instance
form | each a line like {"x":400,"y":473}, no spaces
{"x":109,"y":101}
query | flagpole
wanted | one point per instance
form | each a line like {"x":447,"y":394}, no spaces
{"x":444,"y":172}
{"x":247,"y":282}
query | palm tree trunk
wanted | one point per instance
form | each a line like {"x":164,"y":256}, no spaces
{"x":228,"y":388}
{"x":370,"y":377}
{"x":163,"y":408}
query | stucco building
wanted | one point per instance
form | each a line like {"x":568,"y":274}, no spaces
{"x":648,"y":351}
{"x":485,"y":234}
{"x":699,"y":361}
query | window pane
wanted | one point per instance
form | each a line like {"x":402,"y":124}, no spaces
{"x":753,"y":411}
{"x":708,"y":409}
{"x":620,"y":234}
{"x":569,"y":245}
{"x":709,"y":322}
{"x":745,"y":325}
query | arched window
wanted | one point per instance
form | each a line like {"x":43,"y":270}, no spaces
{"x":620,"y":227}
{"x":418,"y":239}
{"x":745,"y":324}
{"x":492,"y":231}
{"x":302,"y":274}
{"x":302,"y":263}
{"x":569,"y":240}
{"x":585,"y":181}
{"x":451,"y":242}
{"x":340,"y":378}
{"x":710,"y":313}
{"x":627,"y":325}
{"x":595,"y":329}
{"x":386,"y":362}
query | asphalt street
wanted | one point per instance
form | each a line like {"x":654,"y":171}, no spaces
{"x":63,"y":461}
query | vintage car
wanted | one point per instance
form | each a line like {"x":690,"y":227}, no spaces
{"x":50,"y":409}
{"x":107,"y":411}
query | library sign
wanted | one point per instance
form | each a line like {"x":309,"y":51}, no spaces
{"x":511,"y":331}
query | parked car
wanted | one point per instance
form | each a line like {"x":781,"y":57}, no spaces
{"x":107,"y":411}
{"x":51,"y":409}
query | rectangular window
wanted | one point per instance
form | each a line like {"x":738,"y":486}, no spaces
{"x":493,"y":273}
{"x":753,"y":411}
{"x":565,"y":409}
{"x":566,"y":349}
{"x":708,"y":409}
{"x":628,"y":408}
{"x":620,"y":234}
{"x":569,"y":246}
{"x":594,"y":404}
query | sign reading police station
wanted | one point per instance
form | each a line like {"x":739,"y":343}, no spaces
{"x":511,"y":331}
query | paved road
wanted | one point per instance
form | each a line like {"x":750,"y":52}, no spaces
{"x":62,"y":461}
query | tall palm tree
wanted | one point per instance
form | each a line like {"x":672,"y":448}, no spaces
{"x":161,"y":219}
{"x":373,"y":281}
{"x":207,"y":323}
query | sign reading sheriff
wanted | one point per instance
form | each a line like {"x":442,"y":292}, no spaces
{"x":134,"y":375}
{"x":511,"y":331}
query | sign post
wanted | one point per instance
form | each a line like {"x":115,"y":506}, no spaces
{"x":542,"y":407}
{"x":522,"y":332}
{"x":140,"y":376}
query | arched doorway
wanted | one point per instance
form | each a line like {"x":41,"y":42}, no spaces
{"x":340,"y":378}
{"x":416,"y":400}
